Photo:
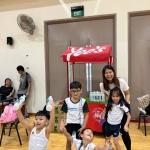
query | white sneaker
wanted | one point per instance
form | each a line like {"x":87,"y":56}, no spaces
{"x":141,"y":110}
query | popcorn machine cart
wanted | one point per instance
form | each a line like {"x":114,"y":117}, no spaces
{"x":88,"y":55}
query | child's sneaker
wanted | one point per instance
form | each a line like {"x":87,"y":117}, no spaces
{"x":141,"y":110}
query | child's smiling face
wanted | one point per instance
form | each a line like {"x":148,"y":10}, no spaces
{"x":116,"y":98}
{"x":40,"y":122}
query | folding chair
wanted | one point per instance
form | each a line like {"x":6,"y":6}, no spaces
{"x":143,"y":116}
{"x":15,"y":123}
{"x":144,"y":102}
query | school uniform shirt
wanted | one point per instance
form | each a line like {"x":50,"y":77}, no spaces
{"x":75,"y":110}
{"x":38,"y":141}
{"x":116,"y":113}
{"x":123,"y":86}
{"x":78,"y":145}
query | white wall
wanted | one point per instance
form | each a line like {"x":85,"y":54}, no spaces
{"x":33,"y":45}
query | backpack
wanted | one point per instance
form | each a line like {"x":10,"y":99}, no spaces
{"x":9,"y":114}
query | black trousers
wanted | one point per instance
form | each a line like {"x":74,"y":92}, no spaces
{"x":125,"y":135}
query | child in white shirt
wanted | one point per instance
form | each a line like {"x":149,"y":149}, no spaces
{"x":86,"y":142}
{"x":115,"y":108}
{"x":39,"y":133}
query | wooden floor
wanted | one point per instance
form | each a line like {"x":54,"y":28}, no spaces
{"x":57,"y":140}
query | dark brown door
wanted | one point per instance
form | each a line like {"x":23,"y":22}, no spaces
{"x":139,"y":58}
{"x":59,"y":35}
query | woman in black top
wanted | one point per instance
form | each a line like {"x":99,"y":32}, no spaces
{"x":7,"y":90}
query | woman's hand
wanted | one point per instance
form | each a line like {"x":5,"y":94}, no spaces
{"x":126,"y":128}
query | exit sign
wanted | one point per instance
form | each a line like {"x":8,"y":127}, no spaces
{"x":77,"y":11}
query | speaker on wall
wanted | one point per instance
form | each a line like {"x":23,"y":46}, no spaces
{"x":9,"y":41}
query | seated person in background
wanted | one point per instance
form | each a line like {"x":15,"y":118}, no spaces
{"x":7,"y":90}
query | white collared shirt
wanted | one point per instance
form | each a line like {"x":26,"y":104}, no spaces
{"x":77,"y":144}
{"x":116,"y":113}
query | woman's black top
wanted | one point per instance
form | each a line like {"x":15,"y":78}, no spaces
{"x":6,"y":90}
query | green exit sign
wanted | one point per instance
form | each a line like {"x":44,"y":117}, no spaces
{"x":77,"y":11}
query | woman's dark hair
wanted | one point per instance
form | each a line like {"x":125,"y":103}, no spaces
{"x":110,"y":101}
{"x":43,"y":113}
{"x":75,"y":85}
{"x":7,"y":79}
{"x":106,"y":82}
{"x":20,"y":68}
